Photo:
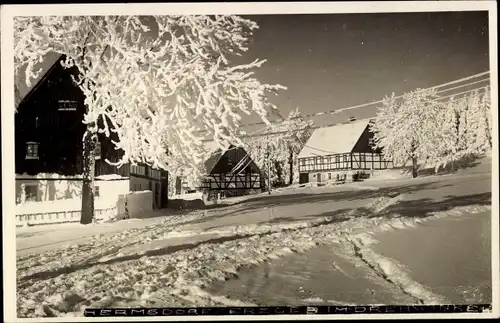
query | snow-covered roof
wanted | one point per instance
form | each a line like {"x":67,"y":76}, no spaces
{"x":336,"y":139}
{"x":214,"y":154}
{"x":22,"y":90}
{"x":212,"y":146}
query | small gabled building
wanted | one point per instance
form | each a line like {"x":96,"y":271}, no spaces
{"x":49,"y":148}
{"x":340,"y":151}
{"x":231,"y":171}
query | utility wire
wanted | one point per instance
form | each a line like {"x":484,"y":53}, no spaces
{"x":339,"y":123}
{"x":254,"y":133}
{"x":381,"y":101}
{"x":335,"y":111}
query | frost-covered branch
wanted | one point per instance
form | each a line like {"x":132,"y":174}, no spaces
{"x":282,"y":145}
{"x":406,"y":128}
{"x":422,"y":127}
{"x":155,"y":81}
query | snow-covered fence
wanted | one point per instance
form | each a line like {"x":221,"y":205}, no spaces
{"x":60,"y":211}
{"x":56,"y":217}
{"x":133,"y":204}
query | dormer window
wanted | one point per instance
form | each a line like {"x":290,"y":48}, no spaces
{"x":32,"y":150}
{"x":98,"y":150}
{"x":66,"y":105}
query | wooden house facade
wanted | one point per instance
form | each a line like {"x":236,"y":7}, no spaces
{"x":340,"y":151}
{"x":231,"y":171}
{"x":48,"y":144}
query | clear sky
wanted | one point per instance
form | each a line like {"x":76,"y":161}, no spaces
{"x":334,"y":61}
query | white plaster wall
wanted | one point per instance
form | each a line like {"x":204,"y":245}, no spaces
{"x":50,"y":190}
{"x":111,"y":190}
{"x":51,"y":187}
{"x":324,"y":176}
{"x":65,"y":195}
{"x":141,"y":184}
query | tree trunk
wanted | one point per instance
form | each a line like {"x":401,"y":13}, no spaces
{"x":89,"y":145}
{"x":290,"y":161}
{"x":279,"y":173}
{"x":414,"y":170}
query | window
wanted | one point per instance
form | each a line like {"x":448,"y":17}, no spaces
{"x":318,"y":160}
{"x":138,"y":170}
{"x":302,"y":162}
{"x":97,"y":192}
{"x":32,"y":150}
{"x":98,"y":150}
{"x":30,"y":192}
{"x":66,"y":105}
{"x":156,"y":174}
{"x":337,"y":158}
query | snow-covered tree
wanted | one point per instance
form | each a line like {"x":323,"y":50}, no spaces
{"x":406,"y":128}
{"x":155,"y":82}
{"x":298,"y":131}
{"x":465,"y":129}
{"x":486,"y":110}
{"x":447,"y":142}
{"x":281,"y":146}
{"x":479,"y":138}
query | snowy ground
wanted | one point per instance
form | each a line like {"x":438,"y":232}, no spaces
{"x":177,"y":261}
{"x":391,"y":269}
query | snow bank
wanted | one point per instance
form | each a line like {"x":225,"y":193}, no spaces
{"x":46,"y":175}
{"x":62,"y":177}
{"x":394,"y":273}
{"x":389,"y":174}
{"x":110,"y":177}
{"x":188,"y":196}
{"x":177,"y":278}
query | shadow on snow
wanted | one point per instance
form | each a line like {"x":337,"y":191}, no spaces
{"x":405,"y":208}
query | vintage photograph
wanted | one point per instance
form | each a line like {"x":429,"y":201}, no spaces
{"x":252,"y":160}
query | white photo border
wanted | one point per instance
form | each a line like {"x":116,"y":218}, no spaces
{"x":8,"y":12}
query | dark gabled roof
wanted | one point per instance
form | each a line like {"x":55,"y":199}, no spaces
{"x":24,"y":92}
{"x":214,"y":158}
{"x":217,"y":154}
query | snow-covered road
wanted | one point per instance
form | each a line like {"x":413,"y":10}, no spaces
{"x":177,"y":262}
{"x":444,"y":260}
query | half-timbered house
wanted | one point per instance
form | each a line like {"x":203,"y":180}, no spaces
{"x":48,"y":147}
{"x":231,"y":171}
{"x":337,"y":152}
